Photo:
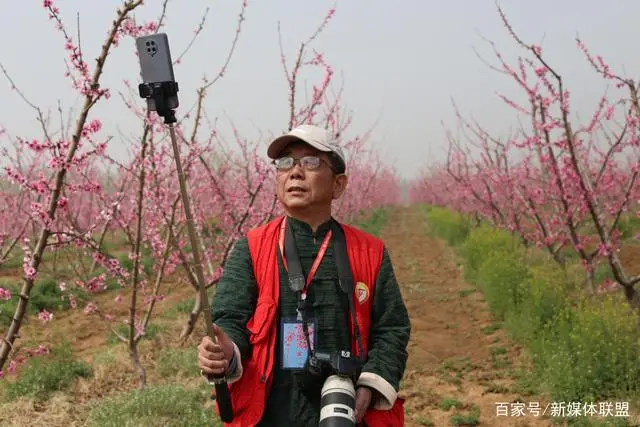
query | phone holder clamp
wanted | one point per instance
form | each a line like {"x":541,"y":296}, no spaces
{"x":160,"y":92}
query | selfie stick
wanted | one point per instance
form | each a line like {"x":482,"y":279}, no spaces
{"x":163,"y":94}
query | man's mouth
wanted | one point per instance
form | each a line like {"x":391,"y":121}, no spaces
{"x":295,"y":189}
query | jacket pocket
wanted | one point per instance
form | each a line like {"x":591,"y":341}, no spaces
{"x":260,"y":323}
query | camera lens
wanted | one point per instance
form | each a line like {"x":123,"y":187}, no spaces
{"x":337,"y":402}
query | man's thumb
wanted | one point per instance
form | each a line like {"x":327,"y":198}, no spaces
{"x":218,"y":332}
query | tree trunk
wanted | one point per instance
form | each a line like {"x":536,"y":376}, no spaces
{"x":135,"y":359}
{"x":192,"y":319}
{"x":133,"y":342}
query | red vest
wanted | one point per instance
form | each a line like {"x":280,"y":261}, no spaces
{"x":250,"y":392}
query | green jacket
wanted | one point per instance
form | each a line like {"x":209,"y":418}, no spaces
{"x":235,"y":301}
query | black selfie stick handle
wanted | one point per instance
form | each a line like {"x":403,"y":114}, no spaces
{"x":161,"y":92}
{"x":223,"y":399}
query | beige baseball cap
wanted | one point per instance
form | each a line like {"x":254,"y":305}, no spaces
{"x":315,"y":136}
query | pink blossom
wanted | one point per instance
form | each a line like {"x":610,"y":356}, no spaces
{"x":30,"y":272}
{"x":96,"y":284}
{"x":45,"y":316}
{"x":63,"y":202}
{"x":41,"y":350}
{"x":90,"y":308}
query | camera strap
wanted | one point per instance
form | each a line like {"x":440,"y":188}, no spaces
{"x":299,"y":285}
{"x":291,"y":260}
{"x":345,"y":277}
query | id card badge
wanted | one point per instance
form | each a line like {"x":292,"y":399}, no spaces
{"x":294,"y":342}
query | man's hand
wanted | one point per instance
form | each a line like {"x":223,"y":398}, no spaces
{"x":363,"y":400}
{"x":213,"y":359}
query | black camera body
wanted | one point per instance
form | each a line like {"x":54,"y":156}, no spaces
{"x":320,"y":366}
{"x":336,"y":375}
{"x":335,"y":363}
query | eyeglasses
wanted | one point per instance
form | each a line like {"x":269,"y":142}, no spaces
{"x":306,"y":162}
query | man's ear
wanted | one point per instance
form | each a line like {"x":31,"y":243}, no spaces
{"x":339,"y":185}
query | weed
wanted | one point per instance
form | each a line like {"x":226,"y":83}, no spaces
{"x":43,"y":375}
{"x":167,"y":405}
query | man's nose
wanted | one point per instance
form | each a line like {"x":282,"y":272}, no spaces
{"x":297,"y":171}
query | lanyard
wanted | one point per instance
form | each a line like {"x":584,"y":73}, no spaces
{"x":316,"y":263}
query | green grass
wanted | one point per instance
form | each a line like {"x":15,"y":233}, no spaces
{"x":449,"y":226}
{"x":160,"y":405}
{"x":45,"y":295}
{"x":374,"y":222}
{"x":150,"y":332}
{"x":581,"y":349}
{"x":446,"y":404}
{"x":177,"y":361}
{"x":466,"y":417}
{"x":43,"y":375}
{"x":628,"y":226}
{"x":184,"y":306}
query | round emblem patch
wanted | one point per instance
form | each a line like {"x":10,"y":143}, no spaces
{"x":362,"y":292}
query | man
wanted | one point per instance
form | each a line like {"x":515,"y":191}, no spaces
{"x":255,"y":308}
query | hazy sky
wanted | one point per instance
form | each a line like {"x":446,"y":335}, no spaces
{"x":402,"y":61}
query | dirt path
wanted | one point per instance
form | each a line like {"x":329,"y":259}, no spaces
{"x":459,"y":361}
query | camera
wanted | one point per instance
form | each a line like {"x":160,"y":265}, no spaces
{"x":331,"y":377}
{"x":339,"y":363}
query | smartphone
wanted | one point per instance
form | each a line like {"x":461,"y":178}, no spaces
{"x":155,"y":64}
